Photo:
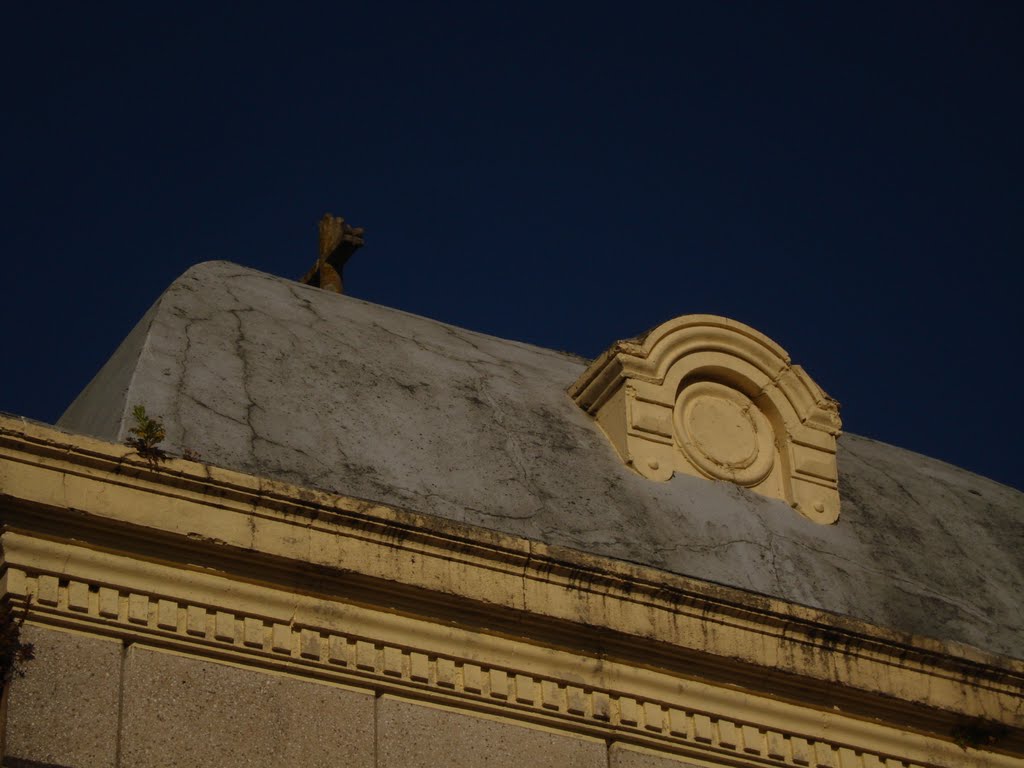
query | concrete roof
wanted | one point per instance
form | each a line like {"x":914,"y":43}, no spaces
{"x":263,"y":375}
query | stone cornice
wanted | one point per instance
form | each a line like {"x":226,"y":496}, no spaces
{"x":90,"y":525}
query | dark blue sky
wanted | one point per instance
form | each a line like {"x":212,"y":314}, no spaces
{"x":847,"y":178}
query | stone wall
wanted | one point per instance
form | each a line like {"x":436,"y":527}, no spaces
{"x":93,"y":702}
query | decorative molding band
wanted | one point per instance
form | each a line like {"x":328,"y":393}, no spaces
{"x":420,"y":670}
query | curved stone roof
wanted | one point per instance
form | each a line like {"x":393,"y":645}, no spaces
{"x":263,"y":375}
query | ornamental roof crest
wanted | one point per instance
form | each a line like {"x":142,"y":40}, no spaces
{"x":714,"y":398}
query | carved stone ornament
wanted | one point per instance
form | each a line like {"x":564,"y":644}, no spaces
{"x":714,"y":398}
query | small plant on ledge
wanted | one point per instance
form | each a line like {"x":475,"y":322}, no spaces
{"x":147,"y":433}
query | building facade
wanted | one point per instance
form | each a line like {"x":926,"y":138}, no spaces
{"x":383,"y":541}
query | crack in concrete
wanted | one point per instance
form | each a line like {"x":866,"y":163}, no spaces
{"x":242,"y":355}
{"x":207,"y":407}
{"x":304,"y":301}
{"x":423,"y":347}
{"x":773,"y":565}
{"x":182,"y":383}
{"x":513,"y":450}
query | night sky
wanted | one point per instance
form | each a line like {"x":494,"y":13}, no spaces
{"x":847,"y":178}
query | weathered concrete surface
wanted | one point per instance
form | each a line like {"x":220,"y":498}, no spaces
{"x":261,"y":374}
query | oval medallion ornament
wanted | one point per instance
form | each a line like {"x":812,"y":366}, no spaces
{"x":724,"y":433}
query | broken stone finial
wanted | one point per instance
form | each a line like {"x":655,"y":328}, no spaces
{"x":338,"y":241}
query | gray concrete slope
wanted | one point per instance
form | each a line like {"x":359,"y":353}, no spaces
{"x":260,"y":374}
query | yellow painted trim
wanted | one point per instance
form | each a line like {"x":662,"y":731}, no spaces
{"x":714,"y":398}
